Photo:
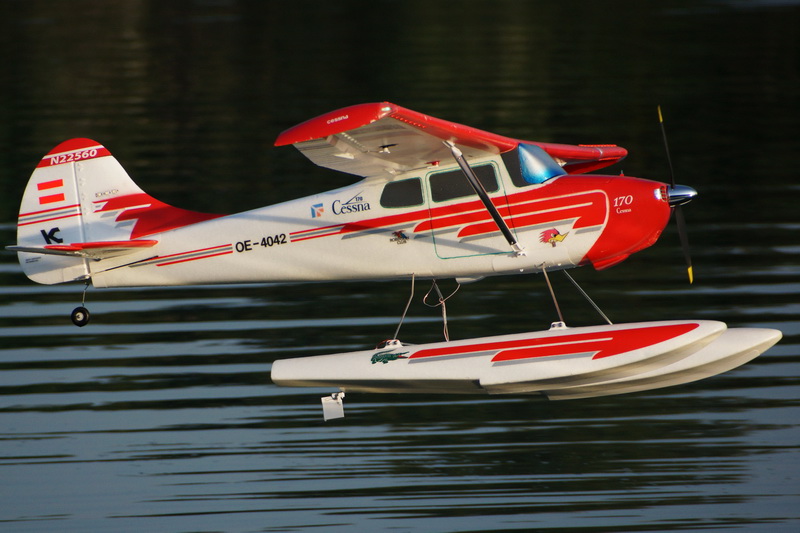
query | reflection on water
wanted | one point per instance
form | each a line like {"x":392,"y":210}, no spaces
{"x":160,"y":415}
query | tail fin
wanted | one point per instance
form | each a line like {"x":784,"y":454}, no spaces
{"x":80,"y":205}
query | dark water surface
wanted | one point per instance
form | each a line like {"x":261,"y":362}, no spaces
{"x":160,"y":415}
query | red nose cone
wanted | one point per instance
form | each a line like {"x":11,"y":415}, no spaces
{"x":638,"y":211}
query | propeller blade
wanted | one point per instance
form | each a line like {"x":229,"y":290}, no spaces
{"x":666,"y":145}
{"x":678,"y":195}
{"x":681,"y":223}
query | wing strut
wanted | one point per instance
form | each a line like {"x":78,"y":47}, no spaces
{"x":484,"y":196}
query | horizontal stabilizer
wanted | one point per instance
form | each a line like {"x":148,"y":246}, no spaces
{"x":88,"y":250}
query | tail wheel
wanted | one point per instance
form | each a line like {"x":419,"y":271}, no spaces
{"x":80,"y":316}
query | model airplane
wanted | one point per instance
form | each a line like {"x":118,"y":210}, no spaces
{"x":436,"y":200}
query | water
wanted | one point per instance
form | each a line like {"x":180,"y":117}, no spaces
{"x":160,"y":415}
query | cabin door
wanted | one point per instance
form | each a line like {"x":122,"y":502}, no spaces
{"x":460,"y":224}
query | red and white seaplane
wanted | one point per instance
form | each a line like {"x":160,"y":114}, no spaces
{"x":436,"y":200}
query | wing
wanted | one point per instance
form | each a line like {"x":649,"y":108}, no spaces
{"x":384,"y":139}
{"x":88,"y":250}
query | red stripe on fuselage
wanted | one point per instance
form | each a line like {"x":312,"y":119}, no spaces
{"x":525,"y":209}
{"x":194,"y":258}
{"x":219,"y":247}
{"x":150,"y":215}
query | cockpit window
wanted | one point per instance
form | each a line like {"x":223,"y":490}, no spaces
{"x":528,"y":164}
{"x":403,"y":193}
{"x":453,"y":184}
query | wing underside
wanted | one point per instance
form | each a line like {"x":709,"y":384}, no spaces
{"x":382,"y":140}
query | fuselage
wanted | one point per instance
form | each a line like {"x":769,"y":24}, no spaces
{"x":428,"y":224}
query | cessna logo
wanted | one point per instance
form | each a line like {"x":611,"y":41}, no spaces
{"x":386,"y":356}
{"x":356,"y":204}
{"x":337,"y":119}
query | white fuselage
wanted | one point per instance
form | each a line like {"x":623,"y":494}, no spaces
{"x":347,"y":234}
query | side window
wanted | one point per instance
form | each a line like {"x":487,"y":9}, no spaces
{"x":403,"y":193}
{"x":453,"y":184}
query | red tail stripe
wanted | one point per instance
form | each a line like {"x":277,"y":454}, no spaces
{"x":43,"y":211}
{"x":51,"y":199}
{"x":54,"y":184}
{"x":58,"y":217}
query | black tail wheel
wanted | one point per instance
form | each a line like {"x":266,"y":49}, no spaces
{"x":80,"y":316}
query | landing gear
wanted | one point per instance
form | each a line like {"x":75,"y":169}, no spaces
{"x":440,"y":302}
{"x":80,"y":316}
{"x":561,"y":324}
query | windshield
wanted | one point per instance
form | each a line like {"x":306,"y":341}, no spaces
{"x":528,"y":164}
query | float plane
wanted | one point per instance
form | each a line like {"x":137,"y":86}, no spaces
{"x":434,"y":200}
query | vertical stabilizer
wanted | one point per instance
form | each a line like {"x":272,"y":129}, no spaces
{"x":80,"y":198}
{"x":52,"y":211}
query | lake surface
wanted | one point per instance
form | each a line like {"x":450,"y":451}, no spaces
{"x":160,"y":415}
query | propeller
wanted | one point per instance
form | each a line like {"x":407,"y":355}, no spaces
{"x":678,"y":195}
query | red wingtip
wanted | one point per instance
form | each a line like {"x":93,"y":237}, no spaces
{"x":344,"y":119}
